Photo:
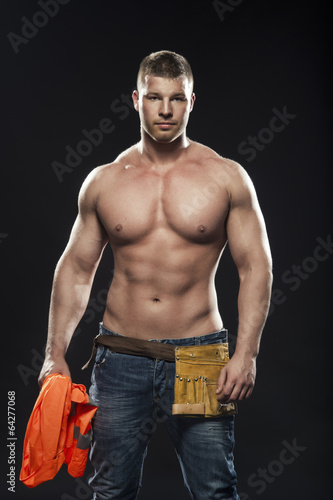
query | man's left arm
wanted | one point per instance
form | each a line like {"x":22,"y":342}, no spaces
{"x":250,"y":251}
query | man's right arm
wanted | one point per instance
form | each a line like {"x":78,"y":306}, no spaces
{"x":73,"y":279}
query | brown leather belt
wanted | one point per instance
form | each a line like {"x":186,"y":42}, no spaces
{"x":137,"y":347}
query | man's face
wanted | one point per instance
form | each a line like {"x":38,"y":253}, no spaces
{"x":164,"y":106}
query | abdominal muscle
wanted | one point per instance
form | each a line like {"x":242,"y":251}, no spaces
{"x":153,"y":298}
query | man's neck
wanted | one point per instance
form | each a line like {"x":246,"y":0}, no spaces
{"x":162,"y":153}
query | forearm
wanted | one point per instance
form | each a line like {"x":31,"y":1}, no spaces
{"x":237,"y":379}
{"x":253,"y":305}
{"x":69,"y":298}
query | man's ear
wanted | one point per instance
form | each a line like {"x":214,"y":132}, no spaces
{"x":135,"y":97}
{"x":192,"y":100}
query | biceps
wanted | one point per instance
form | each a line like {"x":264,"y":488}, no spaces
{"x":86,"y":243}
{"x":247,"y":237}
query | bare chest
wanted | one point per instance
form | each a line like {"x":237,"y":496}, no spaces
{"x":189,"y":204}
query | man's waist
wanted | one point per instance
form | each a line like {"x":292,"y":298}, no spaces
{"x":193,"y":338}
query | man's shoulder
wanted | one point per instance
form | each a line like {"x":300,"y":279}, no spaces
{"x":213,"y":160}
{"x":99,"y":175}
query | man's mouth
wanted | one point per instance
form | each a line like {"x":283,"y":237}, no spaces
{"x":165,"y":125}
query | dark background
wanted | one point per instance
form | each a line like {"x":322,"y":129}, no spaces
{"x":256,"y":57}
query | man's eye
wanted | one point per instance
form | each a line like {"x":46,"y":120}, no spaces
{"x":152,"y":98}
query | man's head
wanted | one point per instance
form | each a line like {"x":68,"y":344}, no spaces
{"x":164,"y":97}
{"x":165,"y":64}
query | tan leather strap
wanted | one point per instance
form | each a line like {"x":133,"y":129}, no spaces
{"x":188,"y":409}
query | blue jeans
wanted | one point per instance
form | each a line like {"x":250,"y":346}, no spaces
{"x":135,"y":393}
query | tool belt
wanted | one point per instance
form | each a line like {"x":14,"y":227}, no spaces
{"x":197,"y":371}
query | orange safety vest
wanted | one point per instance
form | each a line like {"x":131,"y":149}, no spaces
{"x":58,"y":431}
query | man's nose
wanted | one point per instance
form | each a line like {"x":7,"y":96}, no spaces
{"x":166,"y":108}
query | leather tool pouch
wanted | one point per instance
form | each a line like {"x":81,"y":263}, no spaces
{"x":197,"y":371}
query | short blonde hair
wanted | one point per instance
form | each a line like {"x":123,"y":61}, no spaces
{"x":166,"y":64}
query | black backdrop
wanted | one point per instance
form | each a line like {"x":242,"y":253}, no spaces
{"x":262,"y":84}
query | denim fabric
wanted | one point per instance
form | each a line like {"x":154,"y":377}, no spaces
{"x":134,"y":394}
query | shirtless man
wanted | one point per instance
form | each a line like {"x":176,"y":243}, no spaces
{"x":168,"y":206}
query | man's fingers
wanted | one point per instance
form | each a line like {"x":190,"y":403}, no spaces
{"x":236,"y":392}
{"x":222,"y":380}
{"x":226,"y":392}
{"x":247,"y":392}
{"x":235,"y":383}
{"x":50,"y":367}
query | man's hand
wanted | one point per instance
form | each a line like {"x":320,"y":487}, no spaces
{"x":236,"y":380}
{"x":50,"y":366}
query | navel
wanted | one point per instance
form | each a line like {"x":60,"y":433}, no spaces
{"x":202,"y":228}
{"x":119,"y":227}
{"x":156,"y":300}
